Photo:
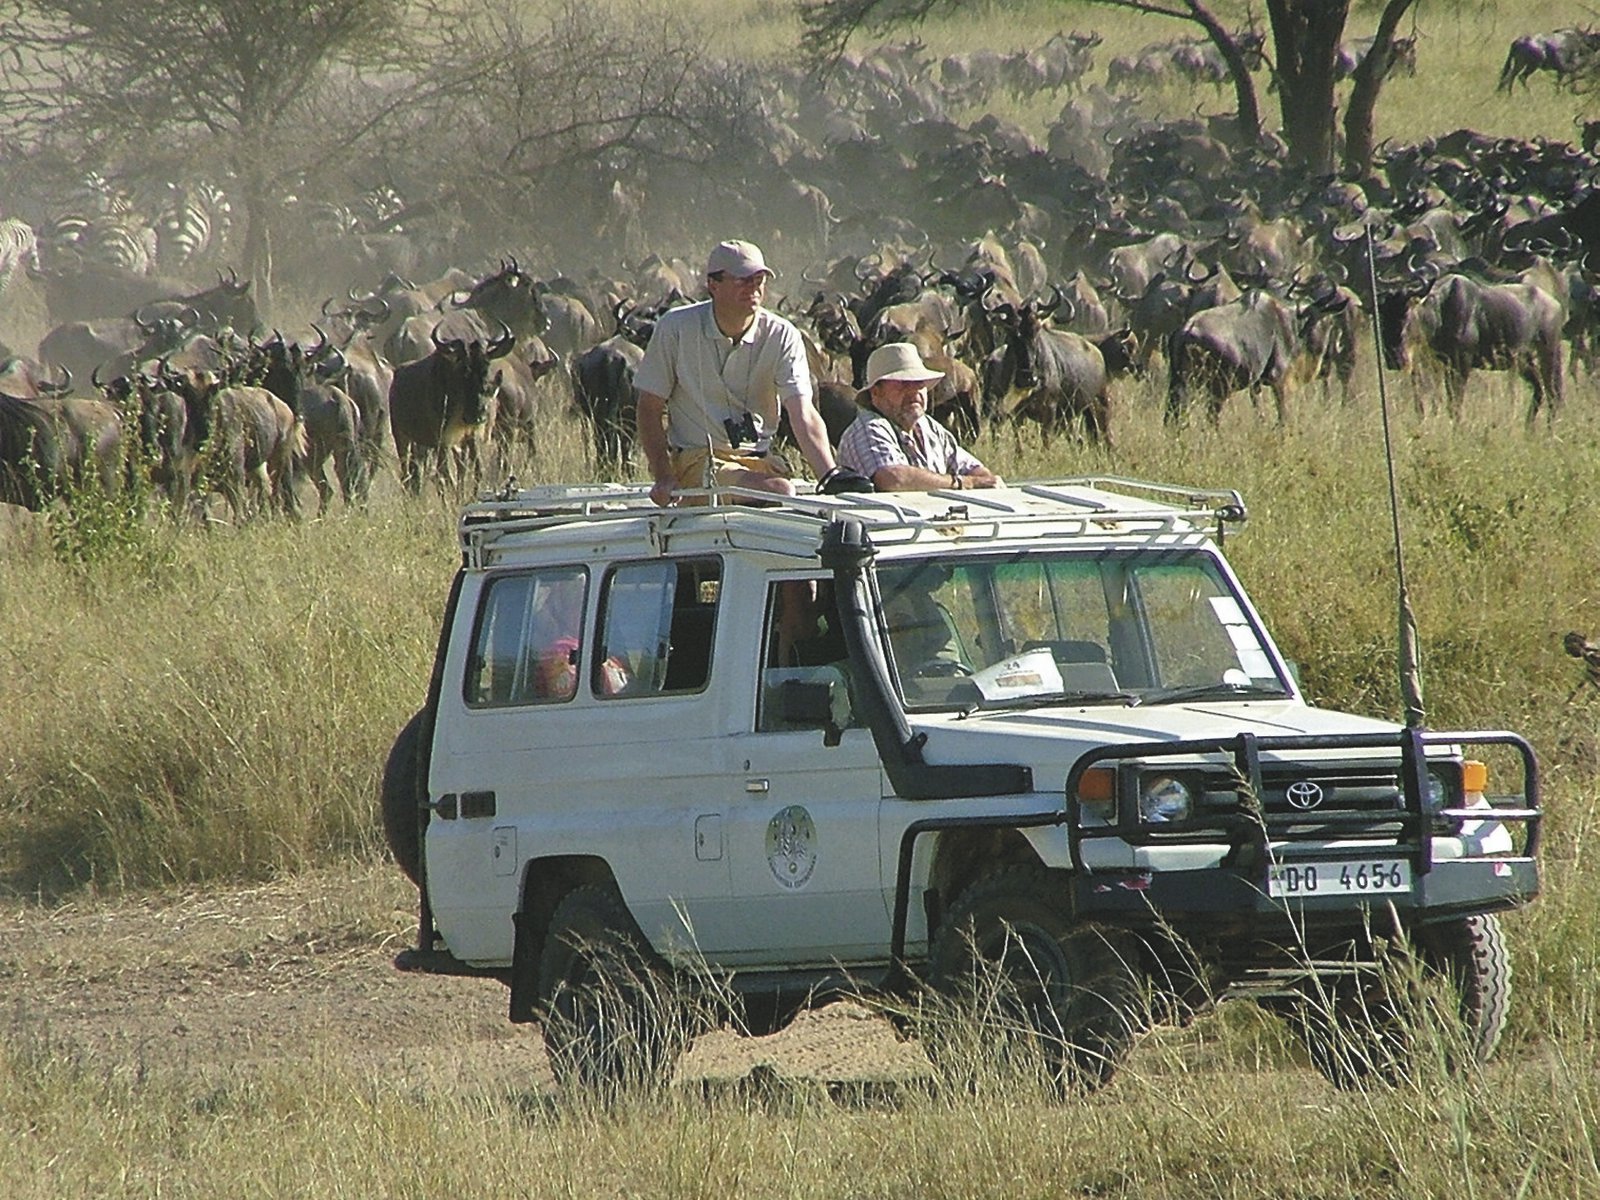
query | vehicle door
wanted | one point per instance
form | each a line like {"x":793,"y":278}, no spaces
{"x":806,"y":786}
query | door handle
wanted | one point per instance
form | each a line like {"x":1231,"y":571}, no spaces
{"x":758,"y":787}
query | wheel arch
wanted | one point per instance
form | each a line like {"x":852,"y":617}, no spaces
{"x":962,"y":857}
{"x":545,"y":881}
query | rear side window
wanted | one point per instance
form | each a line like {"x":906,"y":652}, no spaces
{"x":528,"y":644}
{"x":657,"y":624}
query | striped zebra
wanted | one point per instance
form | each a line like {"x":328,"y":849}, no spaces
{"x":193,"y":224}
{"x":18,"y":247}
{"x":100,"y":223}
{"x":124,"y":242}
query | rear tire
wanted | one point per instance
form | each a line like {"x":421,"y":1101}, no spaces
{"x":611,"y":1018}
{"x":400,"y":801}
{"x":1041,"y":989}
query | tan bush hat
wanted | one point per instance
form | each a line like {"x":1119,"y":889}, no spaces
{"x":898,"y":360}
{"x":739,"y":259}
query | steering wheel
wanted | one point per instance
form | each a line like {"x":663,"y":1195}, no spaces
{"x":942,"y":668}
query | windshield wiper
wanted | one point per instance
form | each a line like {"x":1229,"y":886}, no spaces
{"x":1215,"y":691}
{"x":1052,"y":699}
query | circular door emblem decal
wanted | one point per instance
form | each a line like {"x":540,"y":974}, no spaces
{"x":1304,"y":795}
{"x":792,"y":847}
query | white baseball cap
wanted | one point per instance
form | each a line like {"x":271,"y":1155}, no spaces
{"x":739,"y":259}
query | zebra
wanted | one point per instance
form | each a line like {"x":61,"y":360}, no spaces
{"x":100,"y":223}
{"x":127,"y":243}
{"x":193,"y":224}
{"x":19,"y":246}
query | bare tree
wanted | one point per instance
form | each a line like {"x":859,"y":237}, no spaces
{"x":221,"y":79}
{"x":532,"y":114}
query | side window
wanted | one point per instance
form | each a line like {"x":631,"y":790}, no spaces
{"x":803,"y":672}
{"x":657,"y":624}
{"x":529,"y":639}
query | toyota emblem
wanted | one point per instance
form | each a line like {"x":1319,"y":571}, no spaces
{"x":1304,"y":795}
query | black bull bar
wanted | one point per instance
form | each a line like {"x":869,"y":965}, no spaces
{"x":1249,"y":829}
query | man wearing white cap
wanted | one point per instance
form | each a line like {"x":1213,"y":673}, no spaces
{"x":894,"y":442}
{"x":711,"y":383}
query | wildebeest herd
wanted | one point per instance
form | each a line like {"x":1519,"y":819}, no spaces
{"x":1035,"y":272}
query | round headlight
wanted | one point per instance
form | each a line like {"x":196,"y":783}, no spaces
{"x":1437,"y":796}
{"x":1163,"y":798}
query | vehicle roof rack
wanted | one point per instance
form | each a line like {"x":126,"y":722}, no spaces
{"x":1081,"y":505}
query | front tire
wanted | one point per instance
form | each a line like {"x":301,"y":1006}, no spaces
{"x":1368,"y":1028}
{"x":611,"y":1020}
{"x":1039,"y":988}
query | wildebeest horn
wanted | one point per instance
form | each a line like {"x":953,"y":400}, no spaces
{"x":141,"y":320}
{"x":61,"y":388}
{"x":322,"y":343}
{"x":433,"y":336}
{"x":502,"y":344}
{"x":1059,"y":300}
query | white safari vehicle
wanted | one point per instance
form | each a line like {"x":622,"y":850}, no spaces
{"x":899,"y":743}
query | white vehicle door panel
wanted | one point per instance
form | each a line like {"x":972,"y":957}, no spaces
{"x":802,"y":835}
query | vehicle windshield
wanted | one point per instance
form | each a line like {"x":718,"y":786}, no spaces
{"x":1062,"y":628}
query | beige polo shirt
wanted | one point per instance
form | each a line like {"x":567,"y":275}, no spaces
{"x":707,"y":378}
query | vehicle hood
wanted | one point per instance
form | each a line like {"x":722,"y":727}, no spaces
{"x":1053,"y":738}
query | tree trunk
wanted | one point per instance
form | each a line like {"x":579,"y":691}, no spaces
{"x":258,"y":242}
{"x":1367,"y":82}
{"x":1244,"y":90}
{"x":1305,"y":35}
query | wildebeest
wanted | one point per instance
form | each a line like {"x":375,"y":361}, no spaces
{"x":1247,"y":343}
{"x":1051,"y":376}
{"x":1171,"y":300}
{"x":299,"y":376}
{"x":443,"y":405}
{"x":1563,"y":53}
{"x":250,"y":441}
{"x":167,"y":449}
{"x":49,"y":445}
{"x":603,"y":391}
{"x":1467,"y":324}
{"x":1350,"y":55}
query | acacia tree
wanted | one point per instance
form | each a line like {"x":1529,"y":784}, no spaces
{"x":234,"y":82}
{"x":1305,"y":38}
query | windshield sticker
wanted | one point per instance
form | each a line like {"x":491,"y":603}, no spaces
{"x":1031,"y":673}
{"x":792,"y":847}
{"x":1242,"y":637}
{"x":1227,"y":610}
{"x":1256,"y":665}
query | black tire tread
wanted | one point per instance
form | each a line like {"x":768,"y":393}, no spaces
{"x":1103,"y":1012}
{"x":398,"y":801}
{"x":592,"y":922}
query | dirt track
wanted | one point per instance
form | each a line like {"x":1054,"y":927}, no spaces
{"x":303,"y":971}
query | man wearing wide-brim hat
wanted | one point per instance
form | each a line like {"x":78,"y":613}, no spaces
{"x":894,"y":442}
{"x":714,"y":380}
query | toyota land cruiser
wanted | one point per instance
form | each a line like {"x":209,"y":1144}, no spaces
{"x":882,"y":741}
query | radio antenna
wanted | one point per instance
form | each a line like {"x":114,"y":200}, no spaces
{"x":1410,"y":669}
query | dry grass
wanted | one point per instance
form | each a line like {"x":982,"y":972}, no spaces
{"x":193,"y":732}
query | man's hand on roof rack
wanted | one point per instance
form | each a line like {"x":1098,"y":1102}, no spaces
{"x":843,"y":479}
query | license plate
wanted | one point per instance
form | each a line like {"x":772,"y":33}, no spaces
{"x":1374,"y":877}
